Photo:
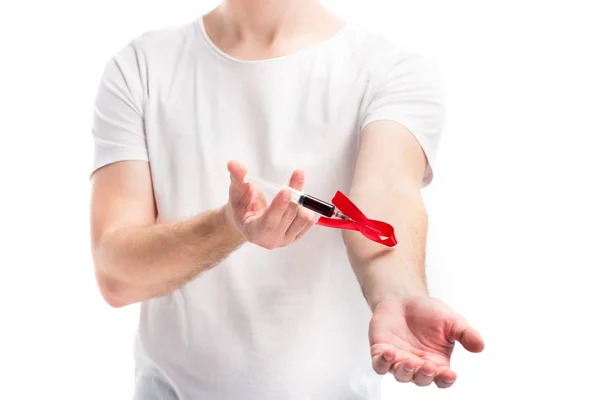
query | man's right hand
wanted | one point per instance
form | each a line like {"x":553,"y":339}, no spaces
{"x":267,"y":225}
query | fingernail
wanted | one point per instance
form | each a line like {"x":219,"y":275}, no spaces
{"x":448,"y":382}
{"x":409,"y":370}
{"x":387,"y":357}
{"x":429,"y":373}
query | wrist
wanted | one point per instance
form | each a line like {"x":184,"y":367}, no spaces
{"x":225,"y":220}
{"x":389,"y":291}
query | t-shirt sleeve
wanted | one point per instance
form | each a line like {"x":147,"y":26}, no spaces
{"x":408,"y":92}
{"x":118,"y":120}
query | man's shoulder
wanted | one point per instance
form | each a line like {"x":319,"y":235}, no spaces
{"x":157,"y":47}
{"x":372,"y":41}
{"x":166,"y":38}
{"x":380,"y":52}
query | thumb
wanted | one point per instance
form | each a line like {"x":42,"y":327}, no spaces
{"x":237,"y":171}
{"x":466,"y":335}
{"x":238,"y":190}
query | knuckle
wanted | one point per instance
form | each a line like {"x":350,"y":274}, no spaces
{"x":307,"y":218}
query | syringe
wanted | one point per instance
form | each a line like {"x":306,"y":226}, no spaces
{"x":305,"y":200}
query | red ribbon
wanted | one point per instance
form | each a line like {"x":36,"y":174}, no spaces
{"x":377,"y":231}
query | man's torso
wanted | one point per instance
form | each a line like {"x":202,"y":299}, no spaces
{"x":284,"y":324}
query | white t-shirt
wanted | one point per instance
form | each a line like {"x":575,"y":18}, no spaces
{"x":290,"y":323}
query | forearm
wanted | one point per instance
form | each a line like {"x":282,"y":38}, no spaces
{"x":134,"y":264}
{"x":385,"y":272}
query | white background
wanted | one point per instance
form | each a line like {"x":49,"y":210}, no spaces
{"x":514,"y":206}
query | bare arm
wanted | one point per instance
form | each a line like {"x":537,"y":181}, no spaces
{"x":135,"y":258}
{"x":386,"y":186}
{"x":412,"y":334}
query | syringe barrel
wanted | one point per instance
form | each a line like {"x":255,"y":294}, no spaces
{"x":273,"y":188}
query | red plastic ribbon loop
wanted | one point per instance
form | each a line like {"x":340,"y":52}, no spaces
{"x":377,"y":231}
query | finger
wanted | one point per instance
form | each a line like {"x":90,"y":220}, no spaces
{"x":298,"y":226}
{"x":425,"y":374}
{"x":383,"y":361}
{"x":468,"y":337}
{"x":403,"y":373}
{"x":405,"y":366}
{"x":272,"y":216}
{"x":297,"y":180}
{"x":445,"y":378}
{"x":306,"y":229}
{"x":288,"y":217}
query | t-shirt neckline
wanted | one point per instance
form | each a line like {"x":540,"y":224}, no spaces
{"x":300,"y":53}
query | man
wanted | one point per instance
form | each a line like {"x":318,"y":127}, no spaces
{"x":244,"y":298}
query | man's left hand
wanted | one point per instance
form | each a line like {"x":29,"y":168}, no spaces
{"x":413,"y":339}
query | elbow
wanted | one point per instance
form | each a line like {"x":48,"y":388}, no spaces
{"x":114,"y":289}
{"x":113,"y":301}
{"x":114,"y":293}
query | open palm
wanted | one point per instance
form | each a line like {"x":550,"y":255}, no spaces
{"x":273,"y":225}
{"x":413,"y":338}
